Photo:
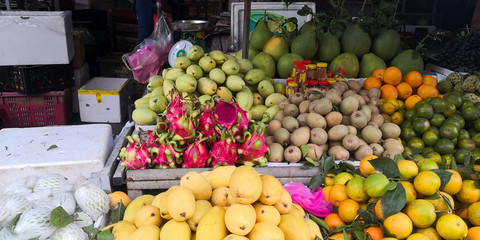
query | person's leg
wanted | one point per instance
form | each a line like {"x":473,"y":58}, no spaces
{"x":145,"y":10}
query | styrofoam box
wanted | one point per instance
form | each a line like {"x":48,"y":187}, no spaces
{"x":104,"y":100}
{"x":81,"y":152}
{"x":35,"y":38}
{"x":80,"y":77}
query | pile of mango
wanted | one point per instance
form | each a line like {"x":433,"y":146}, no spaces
{"x":226,"y":203}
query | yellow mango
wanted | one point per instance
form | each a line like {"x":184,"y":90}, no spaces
{"x":220,"y":197}
{"x":266,"y":230}
{"x":314,"y":229}
{"x":272,"y":189}
{"x":123,"y":230}
{"x":220,"y":176}
{"x":201,"y":208}
{"x":160,"y":202}
{"x":240,"y":218}
{"x":245,"y":185}
{"x":299,"y":232}
{"x":135,"y":206}
{"x":173,"y":230}
{"x":148,"y":215}
{"x":267,"y":213}
{"x":235,"y":237}
{"x":212,"y":226}
{"x":297,"y":210}
{"x":198,"y":184}
{"x":148,"y":232}
{"x":285,"y":203}
{"x":181,"y":203}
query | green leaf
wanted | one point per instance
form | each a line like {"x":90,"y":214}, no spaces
{"x":432,"y":197}
{"x":397,"y":157}
{"x":367,"y":216}
{"x":117,"y":212}
{"x":359,"y":234}
{"x":306,"y":10}
{"x":306,"y":165}
{"x":393,"y":201}
{"x":328,"y":163}
{"x":448,"y":203}
{"x":418,"y":151}
{"x":391,"y":185}
{"x":338,"y":229}
{"x":320,"y":222}
{"x":316,"y":181}
{"x":14,"y":221}
{"x":386,"y":165}
{"x":477,"y":182}
{"x":60,"y":218}
{"x":444,"y":176}
{"x":345,"y":235}
{"x":304,"y":149}
{"x":52,"y":147}
{"x":91,"y":231}
{"x":453,"y":164}
{"x":105,"y":235}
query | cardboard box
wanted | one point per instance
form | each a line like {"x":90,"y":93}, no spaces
{"x":35,"y":38}
{"x":81,"y":76}
{"x":81,"y":151}
{"x":104,"y":100}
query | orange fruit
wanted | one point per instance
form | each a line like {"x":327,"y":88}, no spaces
{"x":421,"y":212}
{"x":454,"y":185}
{"x":389,"y":92}
{"x":392,"y":75}
{"x":375,"y":232}
{"x":378,"y":209}
{"x":428,"y":79}
{"x":399,"y":225}
{"x":372,"y":82}
{"x":365,"y":167}
{"x":427,"y":91}
{"x":378,"y":73}
{"x":418,"y":236}
{"x":414,"y":79}
{"x":469,"y":193}
{"x":404,"y":90}
{"x":430,"y":232}
{"x":451,"y":226}
{"x":473,"y":213}
{"x":473,"y":233}
{"x":411,"y":101}
{"x":326,"y":193}
{"x":427,"y":183}
{"x":348,"y":210}
{"x":440,"y":204}
{"x":409,"y":191}
{"x":337,"y":194}
{"x":333,"y":220}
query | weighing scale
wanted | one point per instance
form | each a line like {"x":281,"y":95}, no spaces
{"x":191,"y":32}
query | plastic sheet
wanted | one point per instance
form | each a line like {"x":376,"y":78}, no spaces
{"x":310,"y":200}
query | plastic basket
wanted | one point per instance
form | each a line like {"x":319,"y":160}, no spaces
{"x":52,"y":108}
{"x":40,"y":78}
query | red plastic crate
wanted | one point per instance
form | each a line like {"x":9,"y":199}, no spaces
{"x":45,"y":109}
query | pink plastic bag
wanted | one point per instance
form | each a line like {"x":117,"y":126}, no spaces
{"x":148,"y":57}
{"x":311,"y":201}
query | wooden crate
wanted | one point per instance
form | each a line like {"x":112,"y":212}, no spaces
{"x":139,"y":182}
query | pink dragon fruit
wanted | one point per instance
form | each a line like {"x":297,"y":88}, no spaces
{"x":206,"y":123}
{"x":224,"y":152}
{"x":176,"y":107}
{"x":196,"y":155}
{"x":252,"y":151}
{"x":242,"y":123}
{"x":182,"y":129}
{"x":226,"y":114}
{"x":135,"y":155}
{"x":166,"y":155}
{"x":151,"y":138}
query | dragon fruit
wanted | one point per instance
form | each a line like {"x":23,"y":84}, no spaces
{"x":166,"y":155}
{"x":196,"y":155}
{"x":226,"y":114}
{"x":151,"y":138}
{"x":242,"y":123}
{"x":252,"y":151}
{"x":206,"y":123}
{"x":176,"y":107}
{"x":224,"y":152}
{"x":182,"y":128}
{"x":135,"y":155}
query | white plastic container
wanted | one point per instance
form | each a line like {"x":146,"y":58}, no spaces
{"x":35,"y":38}
{"x":104,"y":100}
{"x":81,"y":152}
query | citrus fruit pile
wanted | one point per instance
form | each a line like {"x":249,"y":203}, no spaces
{"x":398,"y":199}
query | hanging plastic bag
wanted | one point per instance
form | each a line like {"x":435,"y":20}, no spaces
{"x":310,"y":200}
{"x":148,"y":57}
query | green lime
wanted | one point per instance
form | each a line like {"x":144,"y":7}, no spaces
{"x":476,"y":139}
{"x":462,"y":134}
{"x":406,"y":124}
{"x":418,"y":157}
{"x":466,"y":103}
{"x":470,"y":113}
{"x":407,"y":152}
{"x":476,"y":154}
{"x":439,"y":105}
{"x":430,"y":138}
{"x":462,"y":155}
{"x":459,"y":119}
{"x":454,"y":98}
{"x":450,"y":109}
{"x":427,"y":164}
{"x":407,"y":133}
{"x":423,"y":110}
{"x":448,"y":131}
{"x":447,"y":159}
{"x":415,"y":143}
{"x":466,"y":143}
{"x":453,"y":122}
{"x":410,"y":114}
{"x":437,"y":119}
{"x":435,"y":156}
{"x":444,"y":146}
{"x":434,"y":129}
{"x":420,"y":125}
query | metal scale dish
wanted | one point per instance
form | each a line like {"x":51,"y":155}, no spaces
{"x":189,"y":31}
{"x":190,"y":25}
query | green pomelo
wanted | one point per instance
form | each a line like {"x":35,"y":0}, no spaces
{"x":328,"y":47}
{"x":276,"y":46}
{"x":386,"y":44}
{"x":251,"y":53}
{"x":308,"y":26}
{"x":346,"y":61}
{"x":407,"y":61}
{"x":285,"y":64}
{"x":369,"y":63}
{"x":265,"y":62}
{"x":305,"y":45}
{"x":260,"y":35}
{"x":355,"y":40}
